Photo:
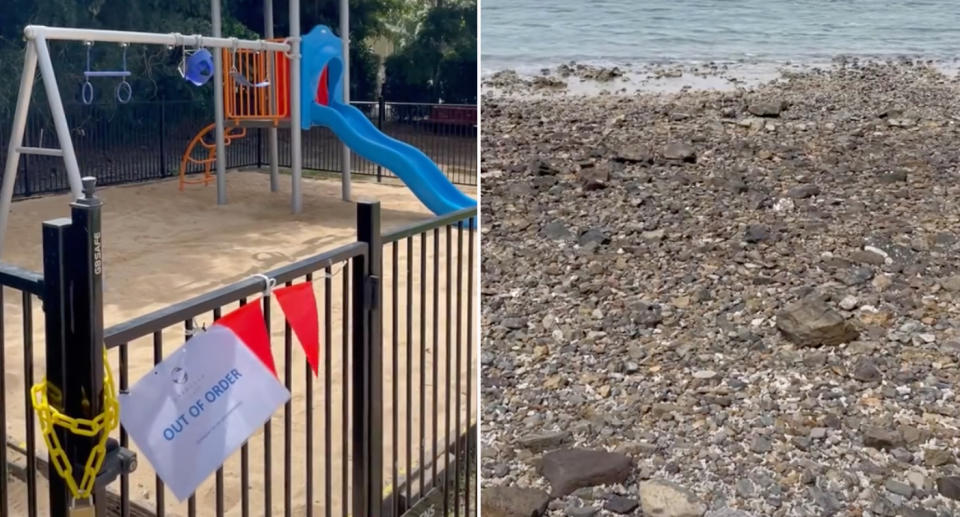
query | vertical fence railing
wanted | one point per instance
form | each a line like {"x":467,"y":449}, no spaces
{"x":276,"y":476}
{"x":20,"y":291}
{"x":429,"y":417}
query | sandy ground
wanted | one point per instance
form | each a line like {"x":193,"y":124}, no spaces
{"x":162,"y":246}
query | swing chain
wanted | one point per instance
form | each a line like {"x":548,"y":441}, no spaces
{"x":86,"y":92}
{"x":182,"y":68}
{"x":235,"y":44}
{"x":124,"y":90}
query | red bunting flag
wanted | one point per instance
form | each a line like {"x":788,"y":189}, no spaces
{"x":248,"y":324}
{"x":300,"y":306}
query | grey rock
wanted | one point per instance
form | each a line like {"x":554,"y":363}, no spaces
{"x":757,"y":233}
{"x":883,"y":507}
{"x":654,"y":235}
{"x":508,"y":501}
{"x":804,"y":191}
{"x":570,"y":469}
{"x":679,"y":151}
{"x":902,"y":455}
{"x":543,"y":168}
{"x":866,"y":370}
{"x":544,"y":441}
{"x":883,"y":439}
{"x":848,"y":303}
{"x":635,"y":154}
{"x":951,"y":284}
{"x":593,"y":237}
{"x":648,"y":315}
{"x":899,"y":488}
{"x":514,"y":323}
{"x":811,"y":322}
{"x":766,"y":108}
{"x":828,"y":503}
{"x":619,"y":504}
{"x":661,"y":498}
{"x":581,"y":511}
{"x":937,"y":457}
{"x":761,"y":445}
{"x":854,"y":275}
{"x":594,"y":177}
{"x":867,"y":257}
{"x":556,"y":230}
{"x":893,"y":177}
{"x":949,"y":487}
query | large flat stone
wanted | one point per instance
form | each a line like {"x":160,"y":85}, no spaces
{"x":543,"y":441}
{"x":811,"y":322}
{"x":660,"y":498}
{"x":511,"y":501}
{"x":570,"y":469}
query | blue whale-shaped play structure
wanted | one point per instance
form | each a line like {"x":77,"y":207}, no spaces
{"x":322,"y":50}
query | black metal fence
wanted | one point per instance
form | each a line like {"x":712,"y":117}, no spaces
{"x":143,"y":141}
{"x":18,"y":459}
{"x":428,"y":308}
{"x":357,"y":440}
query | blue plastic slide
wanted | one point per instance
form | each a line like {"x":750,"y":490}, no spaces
{"x":321,"y":50}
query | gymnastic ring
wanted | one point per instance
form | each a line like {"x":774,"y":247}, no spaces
{"x":87,"y":93}
{"x":124,"y":92}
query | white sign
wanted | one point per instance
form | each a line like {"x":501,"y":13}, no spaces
{"x":198,"y":406}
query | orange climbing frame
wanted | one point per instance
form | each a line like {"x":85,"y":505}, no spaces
{"x":244,"y":102}
{"x":210,"y":149}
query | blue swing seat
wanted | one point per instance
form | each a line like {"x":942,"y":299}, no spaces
{"x":199,"y":67}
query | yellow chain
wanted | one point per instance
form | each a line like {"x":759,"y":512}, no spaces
{"x":100,"y":426}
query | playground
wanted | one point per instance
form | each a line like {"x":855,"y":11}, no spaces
{"x":162,"y":248}
{"x":173,"y":256}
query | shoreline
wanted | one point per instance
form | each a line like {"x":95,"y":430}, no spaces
{"x":607,"y":78}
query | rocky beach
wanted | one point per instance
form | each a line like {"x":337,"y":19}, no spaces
{"x":734,"y":302}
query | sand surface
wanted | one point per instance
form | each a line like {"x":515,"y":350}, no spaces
{"x":162,"y":246}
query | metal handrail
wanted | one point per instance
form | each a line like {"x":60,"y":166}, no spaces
{"x":21,"y":279}
{"x":461,"y":215}
{"x":187,"y":309}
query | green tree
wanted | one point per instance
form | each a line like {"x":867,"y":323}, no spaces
{"x":440,"y":63}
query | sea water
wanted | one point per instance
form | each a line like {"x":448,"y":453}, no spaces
{"x":527,"y":35}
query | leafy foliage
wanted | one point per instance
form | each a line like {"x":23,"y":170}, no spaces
{"x":440,"y":63}
{"x":154,"y":68}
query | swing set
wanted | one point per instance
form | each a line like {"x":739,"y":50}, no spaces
{"x":249,"y":93}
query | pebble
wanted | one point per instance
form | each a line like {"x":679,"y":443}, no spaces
{"x":620,"y":505}
{"x":704,"y":374}
{"x":937,"y":457}
{"x":899,"y":488}
{"x":849,"y":302}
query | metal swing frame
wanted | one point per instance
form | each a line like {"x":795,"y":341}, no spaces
{"x":38,"y":54}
